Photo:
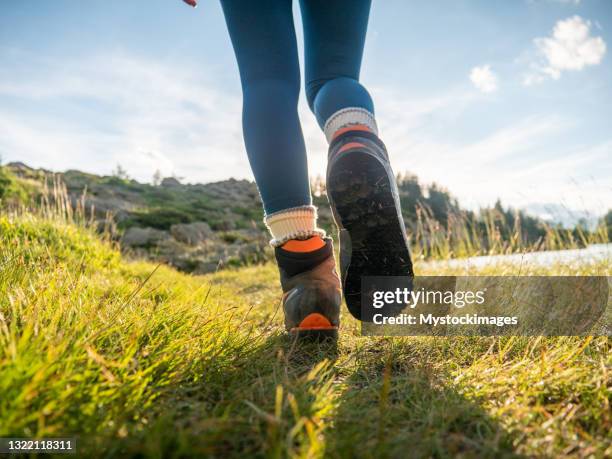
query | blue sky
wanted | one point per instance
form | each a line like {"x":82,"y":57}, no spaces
{"x":487,"y":98}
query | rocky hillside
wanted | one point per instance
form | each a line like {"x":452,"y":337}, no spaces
{"x":196,"y":228}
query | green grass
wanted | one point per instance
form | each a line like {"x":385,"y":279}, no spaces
{"x":139,"y":360}
{"x":16,"y":191}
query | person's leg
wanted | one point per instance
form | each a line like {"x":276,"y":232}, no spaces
{"x":334,"y":36}
{"x":360,"y":183}
{"x":263,"y":37}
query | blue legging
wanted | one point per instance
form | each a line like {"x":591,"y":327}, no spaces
{"x":263,"y":36}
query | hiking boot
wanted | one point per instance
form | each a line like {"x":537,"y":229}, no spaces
{"x":365,"y":203}
{"x":311,"y":287}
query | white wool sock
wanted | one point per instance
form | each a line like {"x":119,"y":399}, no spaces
{"x":293,"y":223}
{"x":347,"y":117}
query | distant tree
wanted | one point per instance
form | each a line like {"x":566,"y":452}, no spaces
{"x":410,"y":193}
{"x":409,"y":184}
{"x":440,"y":202}
{"x":120,"y":172}
{"x":532,"y":228}
{"x":157,"y":178}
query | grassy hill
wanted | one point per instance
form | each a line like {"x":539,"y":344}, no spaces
{"x":140,"y":360}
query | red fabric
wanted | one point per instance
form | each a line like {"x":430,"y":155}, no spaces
{"x":193,"y":3}
{"x":349,"y":145}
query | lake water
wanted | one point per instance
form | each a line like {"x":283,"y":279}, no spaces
{"x":596,"y":252}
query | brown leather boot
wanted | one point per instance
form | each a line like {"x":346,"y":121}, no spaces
{"x":311,"y":287}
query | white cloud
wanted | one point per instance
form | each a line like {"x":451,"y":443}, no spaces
{"x":399,"y":117}
{"x":570,"y":48}
{"x":96,"y":112}
{"x":521,"y":162}
{"x":484,"y":79}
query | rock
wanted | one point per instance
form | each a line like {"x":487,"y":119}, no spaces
{"x":19,"y":166}
{"x":205,"y":267}
{"x":170,"y":182}
{"x":192,"y":233}
{"x":142,"y":237}
{"x":120,"y":209}
{"x":24,"y":171}
{"x":253,"y":252}
{"x":228,"y":223}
